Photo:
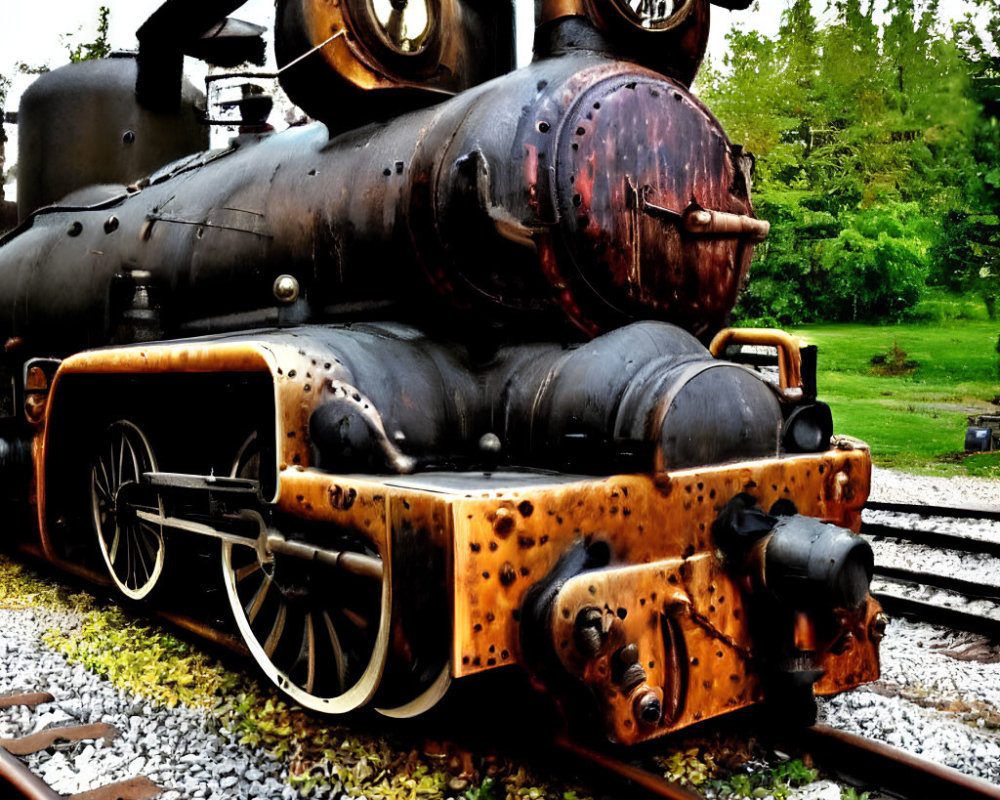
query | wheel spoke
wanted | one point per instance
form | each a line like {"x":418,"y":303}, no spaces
{"x":140,"y":556}
{"x":136,"y":471}
{"x":96,"y":477}
{"x":355,"y":618}
{"x":310,"y":647}
{"x":121,"y":459}
{"x":245,"y":572}
{"x":340,"y":663}
{"x":258,"y":600}
{"x":113,"y":553}
{"x":277,"y":629}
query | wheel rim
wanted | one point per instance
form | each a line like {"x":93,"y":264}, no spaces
{"x":133,"y":549}
{"x":319,"y":633}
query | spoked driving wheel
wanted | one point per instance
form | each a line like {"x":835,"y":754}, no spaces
{"x":133,"y":548}
{"x":314,"y":620}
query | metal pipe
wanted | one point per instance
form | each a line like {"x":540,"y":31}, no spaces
{"x":355,"y":563}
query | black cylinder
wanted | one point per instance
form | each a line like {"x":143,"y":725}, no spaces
{"x":808,"y":562}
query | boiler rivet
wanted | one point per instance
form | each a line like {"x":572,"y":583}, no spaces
{"x":286,"y":288}
{"x":489,"y":443}
{"x":647,"y":707}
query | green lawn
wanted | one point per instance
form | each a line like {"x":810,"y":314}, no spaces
{"x":915,"y":421}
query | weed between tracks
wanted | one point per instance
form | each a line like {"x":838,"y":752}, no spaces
{"x":150,"y":662}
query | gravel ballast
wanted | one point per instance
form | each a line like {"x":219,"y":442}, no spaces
{"x":939,"y":694}
{"x":180,"y":749}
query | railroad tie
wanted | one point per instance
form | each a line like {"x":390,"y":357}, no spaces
{"x":140,"y":788}
{"x":43,"y":740}
{"x":30,"y":699}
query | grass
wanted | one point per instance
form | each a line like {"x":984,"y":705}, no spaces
{"x":914,"y":421}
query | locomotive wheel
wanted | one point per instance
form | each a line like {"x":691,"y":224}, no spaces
{"x":317,"y":630}
{"x":133,"y":549}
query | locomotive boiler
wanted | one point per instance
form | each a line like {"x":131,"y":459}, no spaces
{"x":429,"y":375}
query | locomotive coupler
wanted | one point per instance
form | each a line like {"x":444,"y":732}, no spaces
{"x":809,"y":582}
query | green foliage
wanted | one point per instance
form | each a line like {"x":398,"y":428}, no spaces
{"x":878,"y":141}
{"x":100,"y":47}
{"x":850,"y":793}
{"x":688,"y":766}
{"x":776,"y":782}
{"x":939,"y":305}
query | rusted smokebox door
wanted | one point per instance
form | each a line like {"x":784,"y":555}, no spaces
{"x":633,"y":155}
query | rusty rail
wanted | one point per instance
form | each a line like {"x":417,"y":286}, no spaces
{"x":657,"y":785}
{"x":937,"y":613}
{"x":861,"y":760}
{"x":16,"y":775}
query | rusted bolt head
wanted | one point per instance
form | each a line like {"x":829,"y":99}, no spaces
{"x":489,"y":443}
{"x":588,"y":633}
{"x":878,"y":625}
{"x":286,"y":288}
{"x":633,"y":675}
{"x":629,"y":654}
{"x":701,"y":218}
{"x":503,"y":523}
{"x":647,"y":707}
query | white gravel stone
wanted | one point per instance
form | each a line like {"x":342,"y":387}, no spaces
{"x":890,"y":486}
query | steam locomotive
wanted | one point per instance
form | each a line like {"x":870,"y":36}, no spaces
{"x":429,"y":375}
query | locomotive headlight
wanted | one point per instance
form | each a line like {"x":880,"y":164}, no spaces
{"x":404,"y":24}
{"x":656,"y":14}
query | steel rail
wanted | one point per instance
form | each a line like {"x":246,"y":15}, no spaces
{"x":970,"y":589}
{"x":967,"y":512}
{"x":24,"y":781}
{"x":651,"y":782}
{"x":943,"y":541}
{"x":939,"y":615}
{"x":861,"y":760}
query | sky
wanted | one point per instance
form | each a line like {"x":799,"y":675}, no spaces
{"x":25,"y":38}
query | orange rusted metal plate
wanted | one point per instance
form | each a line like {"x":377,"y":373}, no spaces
{"x":707,"y":674}
{"x":505,"y":543}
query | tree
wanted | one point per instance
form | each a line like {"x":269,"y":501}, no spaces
{"x":100,"y":47}
{"x":864,"y":132}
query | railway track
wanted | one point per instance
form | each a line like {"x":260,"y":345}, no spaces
{"x":854,"y":759}
{"x":931,"y":566}
{"x":15,"y":776}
